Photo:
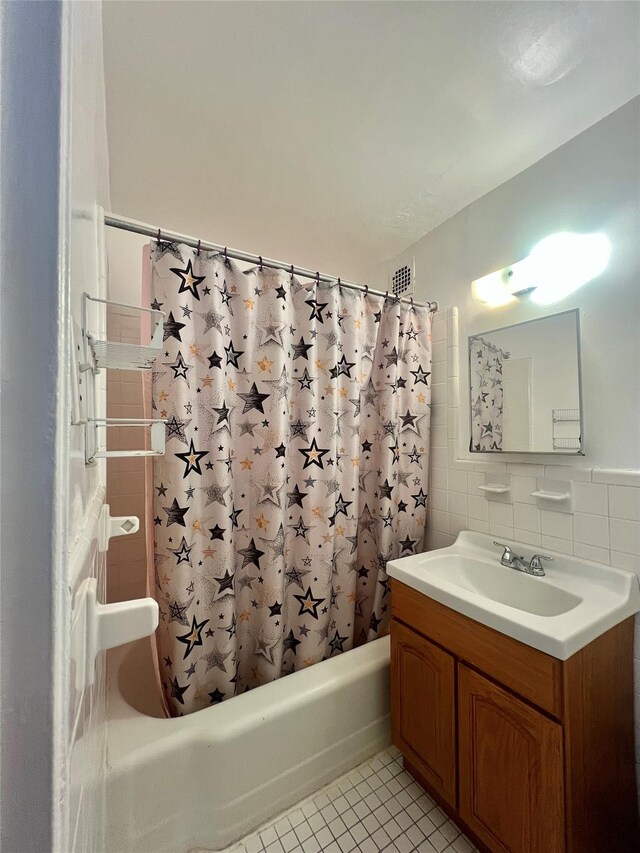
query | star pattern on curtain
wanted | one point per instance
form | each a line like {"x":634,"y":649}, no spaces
{"x":297,"y":444}
{"x":486,"y":362}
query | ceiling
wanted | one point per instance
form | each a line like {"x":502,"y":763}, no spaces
{"x":335,"y":134}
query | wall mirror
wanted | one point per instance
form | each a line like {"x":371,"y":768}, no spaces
{"x":525,"y":387}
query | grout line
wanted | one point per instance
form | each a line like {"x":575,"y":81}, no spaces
{"x":386,"y":771}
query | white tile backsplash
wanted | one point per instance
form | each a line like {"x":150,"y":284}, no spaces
{"x":591,"y":497}
{"x":438,"y":393}
{"x":616,"y":477}
{"x":566,"y":472}
{"x":457,"y":523}
{"x":457,"y":503}
{"x":624,"y":502}
{"x":591,"y":529}
{"x":439,"y":415}
{"x":439,"y":331}
{"x":439,"y":457}
{"x":458,"y":481}
{"x":524,"y":469}
{"x":439,"y":521}
{"x":500,"y":513}
{"x":478,"y":525}
{"x":478,"y":508}
{"x":474,"y":480}
{"x":439,"y":437}
{"x":526,"y":517}
{"x":590,"y":552}
{"x":527,"y":536}
{"x":628,"y":562}
{"x":563,"y":546}
{"x":438,"y":499}
{"x":499,"y":530}
{"x":521,"y":489}
{"x":439,"y":352}
{"x":452,"y":361}
{"x":559,"y":525}
{"x":625,"y":535}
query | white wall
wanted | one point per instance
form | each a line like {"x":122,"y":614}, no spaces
{"x":53,"y":171}
{"x":31,"y":36}
{"x":589,"y":184}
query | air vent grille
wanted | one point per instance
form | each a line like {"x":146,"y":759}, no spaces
{"x":402,"y":280}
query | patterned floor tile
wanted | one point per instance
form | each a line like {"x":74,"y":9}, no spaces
{"x":375,"y":807}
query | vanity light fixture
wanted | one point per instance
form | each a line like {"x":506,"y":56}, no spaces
{"x":555,"y":267}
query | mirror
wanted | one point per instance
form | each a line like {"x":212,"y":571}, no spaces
{"x":525,"y":387}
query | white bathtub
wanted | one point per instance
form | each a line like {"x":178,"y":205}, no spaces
{"x":205,"y":780}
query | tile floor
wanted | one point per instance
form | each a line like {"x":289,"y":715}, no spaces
{"x":376,"y":806}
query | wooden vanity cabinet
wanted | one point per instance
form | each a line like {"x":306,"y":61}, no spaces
{"x":511,"y":769}
{"x":527,"y":753}
{"x":424,"y":722}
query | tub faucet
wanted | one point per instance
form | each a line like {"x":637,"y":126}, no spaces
{"x":514,"y":561}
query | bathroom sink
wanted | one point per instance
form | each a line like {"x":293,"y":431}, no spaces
{"x":573,"y":604}
{"x":492,"y":581}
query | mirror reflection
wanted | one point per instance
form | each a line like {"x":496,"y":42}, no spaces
{"x":525,"y":387}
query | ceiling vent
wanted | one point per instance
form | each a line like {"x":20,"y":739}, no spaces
{"x":401,"y":280}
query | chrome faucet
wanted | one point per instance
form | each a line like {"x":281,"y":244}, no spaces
{"x":514,"y":561}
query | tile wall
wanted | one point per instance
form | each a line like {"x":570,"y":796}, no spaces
{"x":604,"y":525}
{"x":127,"y":556}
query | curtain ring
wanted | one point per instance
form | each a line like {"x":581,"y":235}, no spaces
{"x":317,"y":277}
{"x":339,"y":284}
{"x":198,"y":249}
{"x":411,"y":304}
{"x":225,"y":254}
{"x":366,"y":290}
{"x":159,"y":237}
{"x":260,"y":259}
{"x":291,"y":271}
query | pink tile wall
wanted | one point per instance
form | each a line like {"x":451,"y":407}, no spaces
{"x":127,"y":557}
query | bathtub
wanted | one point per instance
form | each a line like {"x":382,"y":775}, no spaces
{"x":207,"y":779}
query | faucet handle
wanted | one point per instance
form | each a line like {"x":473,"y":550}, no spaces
{"x":536,"y":560}
{"x":508,"y":556}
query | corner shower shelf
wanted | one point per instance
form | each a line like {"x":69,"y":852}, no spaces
{"x":115,"y":354}
{"x":93,"y":450}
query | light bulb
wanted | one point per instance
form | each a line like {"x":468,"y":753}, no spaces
{"x":563,"y":262}
{"x":492,"y":290}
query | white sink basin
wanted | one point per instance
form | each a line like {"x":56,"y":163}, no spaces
{"x":559,"y":614}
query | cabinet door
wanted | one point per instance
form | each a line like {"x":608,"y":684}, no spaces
{"x":511,"y":769}
{"x":423,"y":708}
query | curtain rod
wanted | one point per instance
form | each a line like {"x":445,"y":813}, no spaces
{"x":114,"y":221}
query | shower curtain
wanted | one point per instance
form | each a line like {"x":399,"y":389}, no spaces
{"x":487,"y":394}
{"x":296,"y":462}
